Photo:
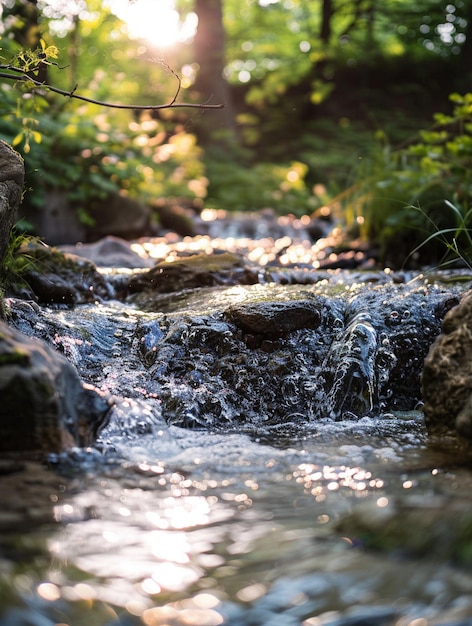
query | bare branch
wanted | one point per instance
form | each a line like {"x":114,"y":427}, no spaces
{"x":20,"y":75}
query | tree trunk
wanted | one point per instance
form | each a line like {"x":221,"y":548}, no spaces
{"x":209,"y":51}
{"x":327,"y":11}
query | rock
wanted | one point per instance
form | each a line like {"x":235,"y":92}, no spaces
{"x":199,"y":270}
{"x":272,"y":360}
{"x":119,"y":216}
{"x":56,"y":221}
{"x":275,"y":319}
{"x":447,"y":373}
{"x":45,"y":407}
{"x":272,"y":355}
{"x":55,"y":277}
{"x":12,"y":173}
{"x":109,"y":252}
{"x":176,"y":217}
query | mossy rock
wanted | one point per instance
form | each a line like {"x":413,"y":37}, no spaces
{"x":45,"y":407}
{"x":51,"y":276}
{"x":199,"y":270}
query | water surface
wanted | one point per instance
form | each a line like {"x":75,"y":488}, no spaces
{"x":191,"y":527}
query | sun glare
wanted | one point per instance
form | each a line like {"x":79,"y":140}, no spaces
{"x":157,"y":21}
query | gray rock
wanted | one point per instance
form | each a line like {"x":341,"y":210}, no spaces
{"x":275,"y":318}
{"x":45,"y":406}
{"x":447,"y":373}
{"x":109,"y":252}
{"x":56,"y":221}
{"x":199,"y":270}
{"x":12,"y":173}
{"x":55,"y":277}
{"x":119,"y":216}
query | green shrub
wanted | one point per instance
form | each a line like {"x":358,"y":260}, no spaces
{"x":404,"y":196}
{"x":89,"y":157}
{"x":237,"y":186}
{"x":91,"y":152}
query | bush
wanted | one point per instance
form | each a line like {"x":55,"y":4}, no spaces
{"x":239,"y":186}
{"x":404,"y":196}
{"x":90,"y":152}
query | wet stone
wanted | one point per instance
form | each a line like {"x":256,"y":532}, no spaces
{"x":199,"y":270}
{"x":253,"y":356}
{"x":45,"y":406}
{"x":52,"y":277}
{"x":275,"y":319}
{"x":447,"y":373}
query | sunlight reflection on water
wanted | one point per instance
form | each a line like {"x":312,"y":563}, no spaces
{"x":170,"y":532}
{"x":232,"y":531}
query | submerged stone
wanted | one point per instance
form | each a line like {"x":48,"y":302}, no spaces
{"x":249,"y":356}
{"x":279,"y":356}
{"x":419,"y":526}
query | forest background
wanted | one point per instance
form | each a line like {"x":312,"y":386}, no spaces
{"x":360,"y":109}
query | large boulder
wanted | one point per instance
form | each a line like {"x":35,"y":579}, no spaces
{"x":44,"y":405}
{"x":120,"y":216}
{"x":12,"y":173}
{"x":447,"y":373}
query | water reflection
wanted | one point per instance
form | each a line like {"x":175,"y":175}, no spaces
{"x":232,"y":531}
{"x":167,"y":532}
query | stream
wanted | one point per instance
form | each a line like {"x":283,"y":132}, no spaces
{"x":265,"y":463}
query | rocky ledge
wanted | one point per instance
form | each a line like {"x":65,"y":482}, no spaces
{"x":211,"y":341}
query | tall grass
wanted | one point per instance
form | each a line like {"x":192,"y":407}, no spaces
{"x":455,"y":240}
{"x":412,"y":201}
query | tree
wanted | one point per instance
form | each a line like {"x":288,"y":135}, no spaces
{"x":210,"y":54}
{"x":107,"y":146}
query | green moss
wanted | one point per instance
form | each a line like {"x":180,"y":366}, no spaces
{"x":203,"y":263}
{"x":16,"y":356}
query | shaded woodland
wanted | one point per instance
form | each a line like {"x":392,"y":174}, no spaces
{"x":329,"y":106}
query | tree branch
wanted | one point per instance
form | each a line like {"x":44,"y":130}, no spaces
{"x":20,"y":75}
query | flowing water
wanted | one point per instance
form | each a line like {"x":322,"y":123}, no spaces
{"x":300,"y":520}
{"x":190,"y":527}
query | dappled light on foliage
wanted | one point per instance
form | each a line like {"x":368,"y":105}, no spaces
{"x":316,"y":97}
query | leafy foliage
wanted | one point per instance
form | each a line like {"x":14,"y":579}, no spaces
{"x":239,"y":186}
{"x":310,"y":81}
{"x":16,"y":262}
{"x":402,"y":195}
